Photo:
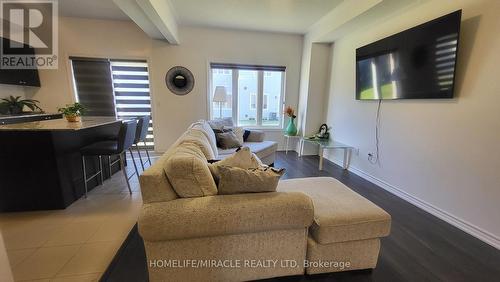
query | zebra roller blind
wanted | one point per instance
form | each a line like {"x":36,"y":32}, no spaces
{"x":93,"y":84}
{"x":131,"y":88}
{"x":114,"y":88}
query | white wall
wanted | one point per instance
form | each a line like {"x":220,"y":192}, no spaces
{"x":305,"y":71}
{"x":318,"y":87}
{"x":11,"y":90}
{"x":87,"y":38}
{"x":314,"y":87}
{"x":200,"y":46}
{"x":441,"y":154}
{"x":172,"y":114}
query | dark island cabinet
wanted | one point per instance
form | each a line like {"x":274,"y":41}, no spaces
{"x":40,"y":163}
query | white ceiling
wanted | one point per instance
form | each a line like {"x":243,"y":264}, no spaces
{"x":292,"y":16}
{"x":92,"y":9}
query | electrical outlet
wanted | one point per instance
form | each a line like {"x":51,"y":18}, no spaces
{"x":371,"y":158}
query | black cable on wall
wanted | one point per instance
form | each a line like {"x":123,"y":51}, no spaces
{"x":371,"y":158}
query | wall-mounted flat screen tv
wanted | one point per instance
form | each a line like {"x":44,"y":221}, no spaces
{"x":418,"y":63}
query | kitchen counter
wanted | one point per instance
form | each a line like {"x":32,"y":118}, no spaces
{"x":58,"y":124}
{"x":41,"y":165}
{"x":28,"y":117}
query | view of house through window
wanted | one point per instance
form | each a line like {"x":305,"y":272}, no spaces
{"x":248,"y":81}
{"x":114,"y":88}
{"x":254,"y":94}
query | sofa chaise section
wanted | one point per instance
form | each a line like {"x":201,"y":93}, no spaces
{"x":346,"y":229}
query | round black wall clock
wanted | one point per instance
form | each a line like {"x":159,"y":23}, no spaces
{"x":179,"y":80}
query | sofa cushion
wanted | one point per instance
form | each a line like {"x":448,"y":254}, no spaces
{"x":261,"y":149}
{"x":188,"y":172}
{"x":155,"y":186}
{"x":204,"y":127}
{"x":235,"y":180}
{"x":199,"y":139}
{"x":227,"y":139}
{"x":242,"y":158}
{"x":246,"y":133}
{"x":340,"y":214}
{"x":239,"y":132}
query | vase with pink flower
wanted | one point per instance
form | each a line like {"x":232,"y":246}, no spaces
{"x":291,"y":129}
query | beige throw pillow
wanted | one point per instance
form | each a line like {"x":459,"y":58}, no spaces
{"x":242,"y":158}
{"x":188,"y":172}
{"x":234,"y":180}
{"x":228,"y":140}
{"x":238,"y":131}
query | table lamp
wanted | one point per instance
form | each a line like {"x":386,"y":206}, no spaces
{"x":220,"y":95}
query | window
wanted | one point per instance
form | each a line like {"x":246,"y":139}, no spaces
{"x":222,"y":109}
{"x":253,"y":101}
{"x":254,"y":94}
{"x":117,"y":88}
{"x":131,"y":91}
{"x":247,"y":84}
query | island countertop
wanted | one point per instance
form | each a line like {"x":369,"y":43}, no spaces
{"x":6,"y":116}
{"x":28,"y":117}
{"x":59,"y":124}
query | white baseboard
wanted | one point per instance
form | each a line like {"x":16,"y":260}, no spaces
{"x":461,"y":224}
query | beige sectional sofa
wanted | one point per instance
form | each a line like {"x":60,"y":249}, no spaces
{"x":312,"y":224}
{"x":264,"y":149}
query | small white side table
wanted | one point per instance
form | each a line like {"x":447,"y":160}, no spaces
{"x":287,"y":141}
{"x":328,"y":144}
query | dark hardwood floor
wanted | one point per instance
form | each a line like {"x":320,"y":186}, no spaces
{"x":421,"y":247}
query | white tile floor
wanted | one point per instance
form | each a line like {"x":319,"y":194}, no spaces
{"x":74,"y":244}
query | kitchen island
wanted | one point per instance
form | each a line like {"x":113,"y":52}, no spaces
{"x":40,"y":163}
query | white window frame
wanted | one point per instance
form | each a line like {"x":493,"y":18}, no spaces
{"x":260,"y":94}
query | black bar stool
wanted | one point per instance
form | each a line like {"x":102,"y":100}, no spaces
{"x":124,"y":142}
{"x":140,"y":136}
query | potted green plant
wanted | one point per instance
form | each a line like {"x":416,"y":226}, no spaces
{"x":72,"y":112}
{"x":15,"y":105}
